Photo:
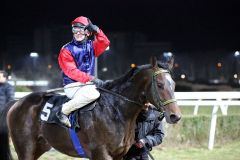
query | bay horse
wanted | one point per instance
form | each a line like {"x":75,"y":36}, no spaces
{"x":107,"y":132}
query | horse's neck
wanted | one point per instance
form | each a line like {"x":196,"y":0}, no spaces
{"x":130,"y":87}
{"x":129,"y":94}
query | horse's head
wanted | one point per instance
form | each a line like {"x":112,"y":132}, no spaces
{"x":159,"y":90}
{"x":162,"y":93}
{"x":148,"y":83}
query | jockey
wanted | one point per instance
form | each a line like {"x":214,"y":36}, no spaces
{"x":77,"y":61}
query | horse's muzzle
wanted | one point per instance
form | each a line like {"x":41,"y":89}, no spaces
{"x":174,"y":118}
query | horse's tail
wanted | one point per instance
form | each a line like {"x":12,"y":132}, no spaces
{"x":5,"y":152}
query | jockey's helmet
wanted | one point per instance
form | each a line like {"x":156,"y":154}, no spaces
{"x":80,"y":22}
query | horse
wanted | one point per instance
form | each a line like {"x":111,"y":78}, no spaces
{"x":106,"y":132}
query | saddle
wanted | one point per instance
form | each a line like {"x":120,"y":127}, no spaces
{"x":54,"y":105}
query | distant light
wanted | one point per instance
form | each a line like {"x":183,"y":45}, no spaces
{"x":9,"y":77}
{"x":107,"y":48}
{"x":219,"y":64}
{"x":49,"y":66}
{"x":34,"y":54}
{"x":9,"y":66}
{"x":133,"y":65}
{"x":104,"y":69}
{"x":176,"y":65}
{"x":236,"y":53}
{"x":183,"y":76}
{"x":235,"y":76}
{"x":214,"y":81}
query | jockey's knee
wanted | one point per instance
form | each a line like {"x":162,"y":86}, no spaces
{"x":94,"y":95}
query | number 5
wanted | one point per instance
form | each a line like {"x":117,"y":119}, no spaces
{"x":46,"y":111}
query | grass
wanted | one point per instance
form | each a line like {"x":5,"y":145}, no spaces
{"x":207,"y":110}
{"x":226,"y":152}
{"x":50,"y":155}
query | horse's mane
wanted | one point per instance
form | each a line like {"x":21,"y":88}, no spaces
{"x":127,"y":77}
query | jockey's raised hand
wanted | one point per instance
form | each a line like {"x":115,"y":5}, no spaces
{"x":92,"y":28}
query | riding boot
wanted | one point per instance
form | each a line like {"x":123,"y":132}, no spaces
{"x":63,"y":118}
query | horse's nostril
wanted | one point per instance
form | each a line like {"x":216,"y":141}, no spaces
{"x":174,"y":118}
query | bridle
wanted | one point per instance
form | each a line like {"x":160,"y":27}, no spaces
{"x":160,"y":103}
{"x":156,"y":98}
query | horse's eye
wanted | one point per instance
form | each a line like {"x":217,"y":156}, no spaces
{"x":160,"y":85}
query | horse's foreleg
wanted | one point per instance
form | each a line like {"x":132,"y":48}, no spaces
{"x":100,"y":153}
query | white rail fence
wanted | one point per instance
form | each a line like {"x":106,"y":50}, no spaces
{"x":217,"y":100}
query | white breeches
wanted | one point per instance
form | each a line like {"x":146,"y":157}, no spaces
{"x":79,"y":95}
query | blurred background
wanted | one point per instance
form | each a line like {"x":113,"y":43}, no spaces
{"x":202,"y":35}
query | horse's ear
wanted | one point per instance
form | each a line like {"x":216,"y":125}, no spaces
{"x":153,"y":61}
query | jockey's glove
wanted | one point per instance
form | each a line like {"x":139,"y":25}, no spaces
{"x":92,"y":28}
{"x":97,"y":82}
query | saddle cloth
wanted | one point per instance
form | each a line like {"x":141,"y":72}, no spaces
{"x":54,"y":105}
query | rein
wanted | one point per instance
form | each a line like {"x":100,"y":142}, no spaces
{"x":62,"y":88}
{"x":119,"y":96}
{"x":154,"y":87}
{"x":100,"y":88}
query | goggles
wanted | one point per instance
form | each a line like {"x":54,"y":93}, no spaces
{"x":75,"y":30}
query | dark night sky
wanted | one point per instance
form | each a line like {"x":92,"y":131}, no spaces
{"x":188,"y":24}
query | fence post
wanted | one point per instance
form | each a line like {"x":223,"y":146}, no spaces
{"x":213,"y":127}
{"x":195,"y":112}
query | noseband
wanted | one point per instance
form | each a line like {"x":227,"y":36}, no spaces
{"x":160,"y":102}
